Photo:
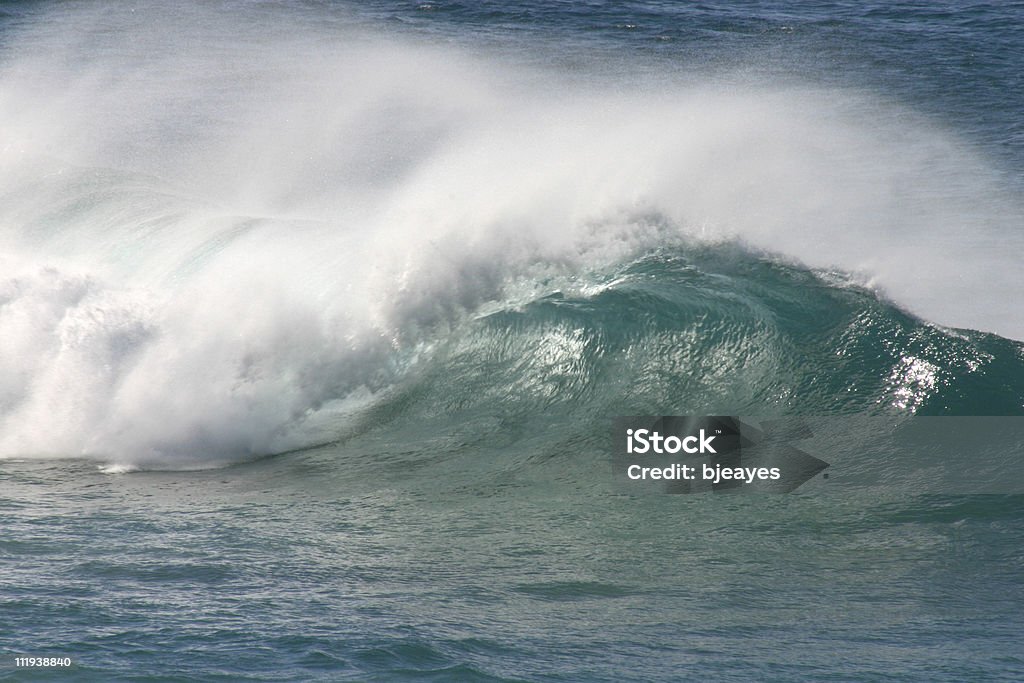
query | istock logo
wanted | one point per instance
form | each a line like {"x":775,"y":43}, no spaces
{"x":694,"y":454}
{"x":644,"y":440}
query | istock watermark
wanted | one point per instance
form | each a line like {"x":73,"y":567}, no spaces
{"x":694,"y":454}
{"x":898,"y":455}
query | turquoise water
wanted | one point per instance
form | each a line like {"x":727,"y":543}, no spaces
{"x":315,"y":317}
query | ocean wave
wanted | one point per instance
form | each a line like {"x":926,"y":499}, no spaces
{"x":216,"y":249}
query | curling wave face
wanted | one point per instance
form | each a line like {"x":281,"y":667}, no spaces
{"x":218,"y":249}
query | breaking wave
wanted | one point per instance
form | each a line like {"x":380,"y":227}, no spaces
{"x":227,"y":239}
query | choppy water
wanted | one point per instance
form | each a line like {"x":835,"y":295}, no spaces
{"x":314,"y":318}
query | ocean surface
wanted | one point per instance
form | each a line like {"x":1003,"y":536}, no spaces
{"x":315,"y":317}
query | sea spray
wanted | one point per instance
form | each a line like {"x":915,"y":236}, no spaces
{"x":213,"y":232}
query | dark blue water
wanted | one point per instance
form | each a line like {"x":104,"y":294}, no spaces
{"x":314,"y":318}
{"x":957,"y":61}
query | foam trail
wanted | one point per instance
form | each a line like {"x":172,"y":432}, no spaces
{"x":216,"y":224}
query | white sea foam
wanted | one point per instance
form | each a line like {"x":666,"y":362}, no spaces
{"x":213,"y":225}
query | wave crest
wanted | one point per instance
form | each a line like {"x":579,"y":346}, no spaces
{"x":206,"y":249}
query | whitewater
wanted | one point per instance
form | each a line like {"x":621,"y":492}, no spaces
{"x":220,"y":239}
